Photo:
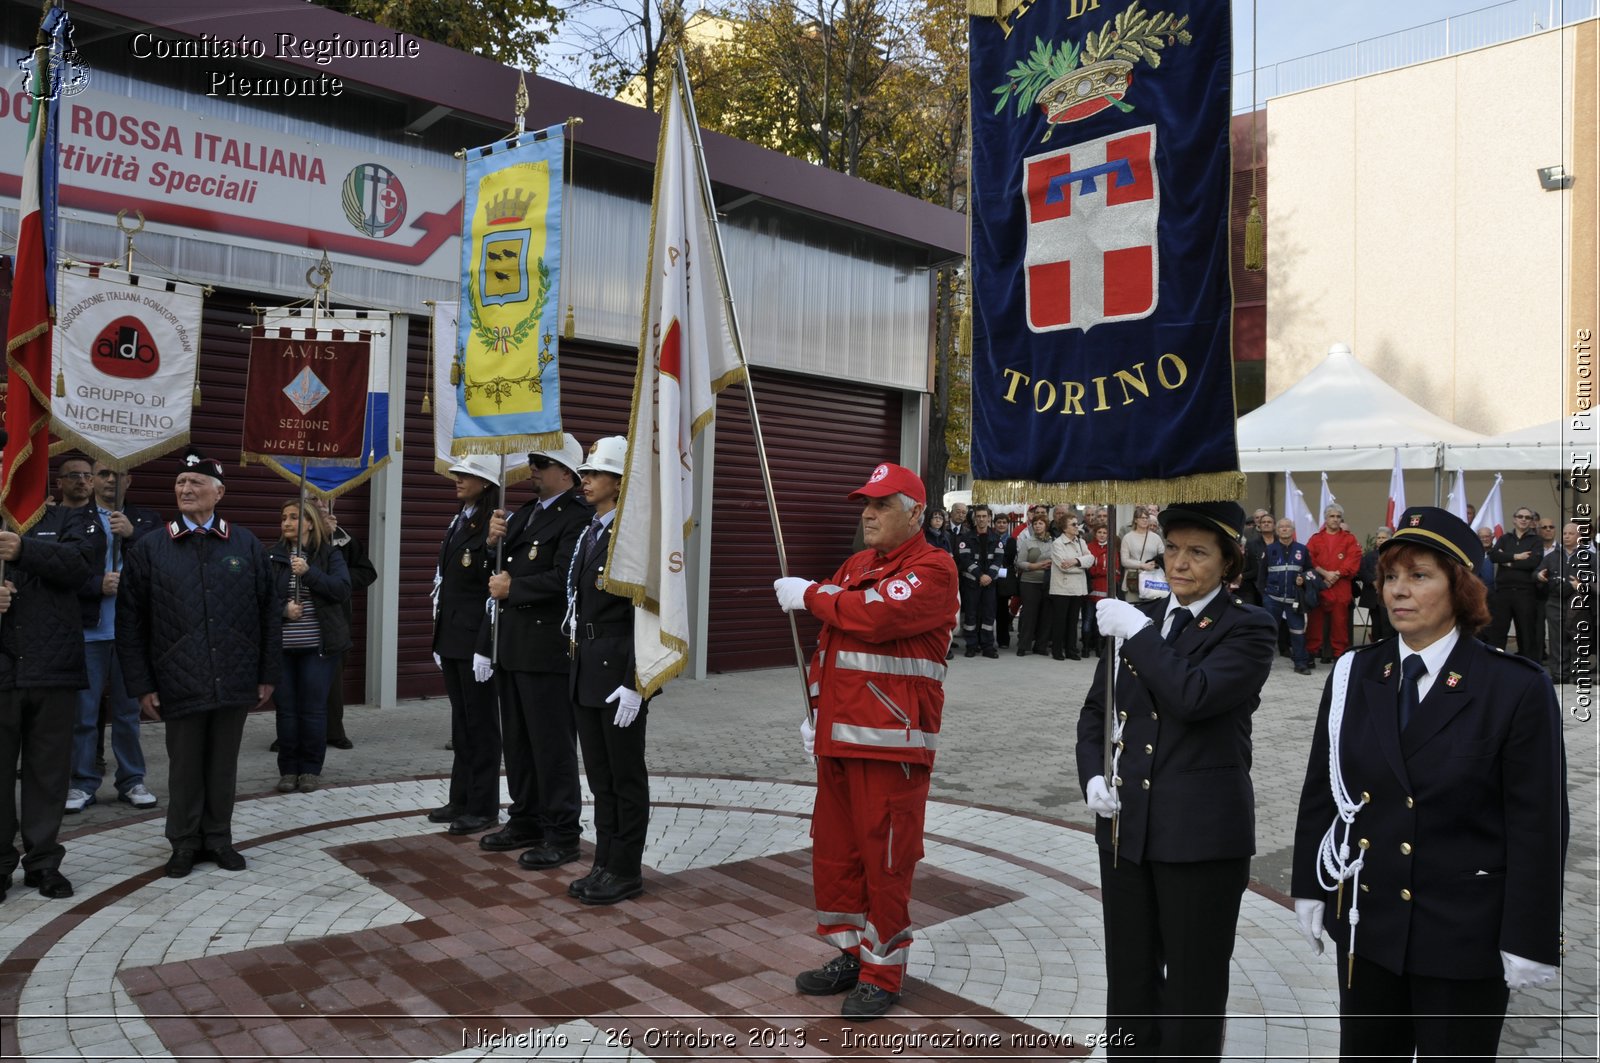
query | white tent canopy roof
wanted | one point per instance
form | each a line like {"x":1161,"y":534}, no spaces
{"x":1342,"y":416}
{"x":1548,"y":446}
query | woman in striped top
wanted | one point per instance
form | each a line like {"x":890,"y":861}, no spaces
{"x":313,"y":585}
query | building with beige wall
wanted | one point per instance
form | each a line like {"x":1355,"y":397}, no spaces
{"x":1406,"y":218}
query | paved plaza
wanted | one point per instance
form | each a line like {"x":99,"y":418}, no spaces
{"x":360,"y":930}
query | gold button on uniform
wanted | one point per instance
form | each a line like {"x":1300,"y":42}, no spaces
{"x":1149,"y":748}
{"x":1365,"y":888}
{"x":1405,"y":848}
{"x":1122,"y":715}
{"x":1145,"y":784}
{"x":1364,"y":843}
{"x":1405,"y":895}
{"x":1117,"y":781}
{"x":1155,"y":716}
{"x":1410,"y":803}
{"x":1365,"y":797}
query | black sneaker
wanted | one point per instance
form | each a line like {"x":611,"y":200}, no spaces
{"x":868,"y":1002}
{"x":837,"y":975}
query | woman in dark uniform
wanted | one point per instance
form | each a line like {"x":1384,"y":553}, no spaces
{"x":610,"y":715}
{"x":461,"y":586}
{"x":1434,"y":856}
{"x":1175,"y":859}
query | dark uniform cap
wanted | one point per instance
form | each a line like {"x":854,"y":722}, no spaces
{"x":194,"y":461}
{"x":1226,"y":516}
{"x":1438,"y":530}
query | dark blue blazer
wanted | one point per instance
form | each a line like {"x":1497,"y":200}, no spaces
{"x":1466,"y":823}
{"x":1185,"y":765}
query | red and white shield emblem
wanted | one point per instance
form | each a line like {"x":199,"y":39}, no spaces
{"x":1092,"y":213}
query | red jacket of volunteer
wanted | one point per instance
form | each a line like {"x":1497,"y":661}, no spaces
{"x":877,"y":679}
{"x":1339,"y":552}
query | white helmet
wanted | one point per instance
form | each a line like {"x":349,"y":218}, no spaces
{"x":609,"y":454}
{"x":483,"y":466}
{"x":570,"y":455}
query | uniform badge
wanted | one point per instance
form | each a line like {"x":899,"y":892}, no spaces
{"x":466,"y":559}
{"x":1387,"y":669}
{"x":233,"y":564}
{"x":1205,"y":622}
{"x":533,"y":551}
{"x":1453,"y":680}
{"x":898,"y":589}
{"x":1416,"y":520}
{"x":911,"y":578}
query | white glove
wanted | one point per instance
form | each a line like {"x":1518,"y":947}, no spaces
{"x":438,"y":662}
{"x":1309,"y":915}
{"x":1525,"y":974}
{"x":481,"y":668}
{"x":627,"y":705}
{"x":1119,"y":619}
{"x":808,"y":737}
{"x":791,"y":592}
{"x":1101,"y":799}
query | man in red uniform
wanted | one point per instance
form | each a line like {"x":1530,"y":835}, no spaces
{"x":1336,"y":555}
{"x":877,"y":688}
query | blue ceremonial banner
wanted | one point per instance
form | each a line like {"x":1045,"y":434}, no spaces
{"x":1102,"y":365}
{"x":508,"y":390}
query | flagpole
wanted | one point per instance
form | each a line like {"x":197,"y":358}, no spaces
{"x":682,"y":73}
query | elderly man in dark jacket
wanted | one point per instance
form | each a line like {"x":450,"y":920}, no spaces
{"x":41,"y":670}
{"x":199,"y":636}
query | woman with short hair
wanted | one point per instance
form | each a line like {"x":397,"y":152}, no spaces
{"x":1433,"y":821}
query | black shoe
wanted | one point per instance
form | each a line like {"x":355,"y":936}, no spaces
{"x":1301,"y":669}
{"x":273,"y":748}
{"x":49,"y":882}
{"x":607,"y":888}
{"x":180,"y":863}
{"x":950,"y":653}
{"x":992,"y":653}
{"x":836,"y":976}
{"x":5,"y":885}
{"x":470,"y":824}
{"x":543,"y":857}
{"x":225,"y":857}
{"x":1074,"y":656}
{"x":340,"y":743}
{"x":443,"y":814}
{"x":506,"y":839}
{"x":576,"y":887}
{"x":972,"y":651}
{"x":1021,"y":652}
{"x":868,"y":1002}
{"x":1058,"y":656}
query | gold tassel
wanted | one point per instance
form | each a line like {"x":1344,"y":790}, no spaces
{"x":427,"y":402}
{"x":61,"y":385}
{"x":569,"y":328}
{"x":197,"y":394}
{"x":964,"y":332}
{"x":455,"y":374}
{"x":1255,"y":238}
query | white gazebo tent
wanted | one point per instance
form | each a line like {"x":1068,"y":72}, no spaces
{"x":1550,"y":447}
{"x":1340,"y":417}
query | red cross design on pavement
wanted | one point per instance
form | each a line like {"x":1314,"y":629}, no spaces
{"x":499,"y":950}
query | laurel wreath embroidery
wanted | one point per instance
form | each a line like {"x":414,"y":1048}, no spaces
{"x":504,"y":338}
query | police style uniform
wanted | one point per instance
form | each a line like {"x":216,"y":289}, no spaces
{"x":979,"y":555}
{"x":613,"y":757}
{"x":1172,"y":882}
{"x":464,"y":567}
{"x":532,"y":675}
{"x":1461,"y":829}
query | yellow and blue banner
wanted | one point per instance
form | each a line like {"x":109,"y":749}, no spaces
{"x":1102,"y":362}
{"x":508,"y":388}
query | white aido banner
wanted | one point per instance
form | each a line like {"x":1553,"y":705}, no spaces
{"x":124,"y":350}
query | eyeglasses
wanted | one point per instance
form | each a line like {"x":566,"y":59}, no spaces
{"x":1523,"y":516}
{"x":75,"y":476}
{"x":538,"y":461}
{"x":1547,"y":527}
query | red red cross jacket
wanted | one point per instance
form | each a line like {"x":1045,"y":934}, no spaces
{"x":877,"y":679}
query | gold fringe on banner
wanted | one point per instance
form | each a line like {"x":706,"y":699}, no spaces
{"x":494,"y":446}
{"x":1202,"y":487}
{"x":1255,"y":238}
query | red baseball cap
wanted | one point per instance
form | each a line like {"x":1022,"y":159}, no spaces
{"x":889,"y":479}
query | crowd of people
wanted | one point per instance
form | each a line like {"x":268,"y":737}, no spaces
{"x":1035,"y":579}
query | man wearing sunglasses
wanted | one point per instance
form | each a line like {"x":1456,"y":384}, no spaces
{"x":1516,"y":557}
{"x":538,"y":731}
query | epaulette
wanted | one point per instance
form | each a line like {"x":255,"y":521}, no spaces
{"x":1519,"y":658}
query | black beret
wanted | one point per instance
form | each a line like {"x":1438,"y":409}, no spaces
{"x":194,"y":461}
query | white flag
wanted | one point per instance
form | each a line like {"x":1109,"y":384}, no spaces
{"x":1325,"y":501}
{"x":1457,"y":502}
{"x":1295,"y":508}
{"x":687,"y":354}
{"x":1491,"y":514}
{"x":444,"y":393}
{"x":1397,"y":492}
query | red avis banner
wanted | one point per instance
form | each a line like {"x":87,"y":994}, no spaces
{"x":306,"y":396}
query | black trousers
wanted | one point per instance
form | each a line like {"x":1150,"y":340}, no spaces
{"x":541,"y":749}
{"x":35,"y":729}
{"x":202,"y":776}
{"x":1065,"y":612}
{"x":1387,"y":1016}
{"x":475,"y":734}
{"x":977,"y":615}
{"x":1520,"y":604}
{"x":613,"y":759}
{"x":1169,"y":937}
{"x":336,"y":704}
{"x":1032,"y":631}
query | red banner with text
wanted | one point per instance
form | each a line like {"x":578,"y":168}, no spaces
{"x":306,"y":396}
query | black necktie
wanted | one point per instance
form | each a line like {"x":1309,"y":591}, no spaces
{"x":1412,"y":669}
{"x":1180,"y":620}
{"x":590,"y":538}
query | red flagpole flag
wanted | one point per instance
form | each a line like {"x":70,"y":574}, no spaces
{"x":25,"y":471}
